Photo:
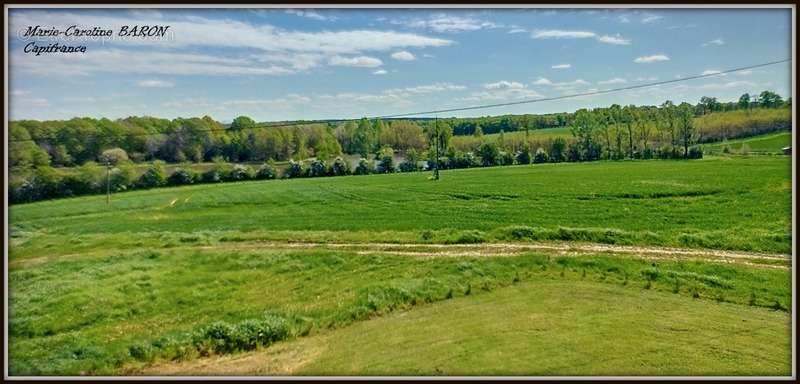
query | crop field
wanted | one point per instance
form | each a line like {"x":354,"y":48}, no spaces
{"x":629,"y":267}
{"x":771,"y":143}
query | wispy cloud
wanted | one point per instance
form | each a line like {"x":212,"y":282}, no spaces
{"x":651,"y":18}
{"x":380,"y":72}
{"x":355,"y":61}
{"x":619,"y":40}
{"x":561,"y":34}
{"x":403,"y":56}
{"x":517,"y":30}
{"x":616,"y":80}
{"x":447,"y":23}
{"x":311,"y":14}
{"x":542,"y":81}
{"x":566,"y":34}
{"x":651,"y":58}
{"x":154,"y":84}
{"x":502,"y":90}
{"x":712,"y":72}
{"x":714,"y":42}
{"x":562,"y":66}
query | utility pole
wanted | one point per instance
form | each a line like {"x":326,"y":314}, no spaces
{"x":108,"y":182}
{"x":436,"y":132}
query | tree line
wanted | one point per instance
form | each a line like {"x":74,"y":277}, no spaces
{"x":84,"y":144}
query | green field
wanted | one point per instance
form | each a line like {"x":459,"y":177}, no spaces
{"x":546,"y":328}
{"x":771,"y":143}
{"x":472,"y":258}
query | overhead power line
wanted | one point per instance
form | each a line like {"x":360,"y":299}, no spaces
{"x":469,"y":108}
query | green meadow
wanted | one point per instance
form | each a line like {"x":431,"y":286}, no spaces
{"x":357,"y":274}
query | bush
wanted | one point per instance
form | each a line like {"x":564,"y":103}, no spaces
{"x":385,"y":161}
{"x":318,"y":168}
{"x":240,"y":172}
{"x":294,"y":170}
{"x":363,"y":167}
{"x":122,"y":178}
{"x":113,"y":156}
{"x":222,"y":337}
{"x":540,"y":156}
{"x":506,"y":158}
{"x":212,"y":176}
{"x":340,"y":167}
{"x":407,"y":166}
{"x":524,"y":156}
{"x":265,"y":172}
{"x":558,"y":150}
{"x":488,"y":153}
{"x":182,"y":177}
{"x":695,"y":152}
{"x":470,"y":236}
{"x":154,"y":176}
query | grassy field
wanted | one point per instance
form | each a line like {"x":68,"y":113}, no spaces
{"x":550,"y":327}
{"x":770,"y":143}
{"x":97,"y":289}
{"x":723,"y":203}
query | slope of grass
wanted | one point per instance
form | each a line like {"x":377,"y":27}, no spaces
{"x":770,"y":143}
{"x":725,"y":203}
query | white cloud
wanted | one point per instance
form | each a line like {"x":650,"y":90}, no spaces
{"x":650,"y":18}
{"x":503,"y":84}
{"x":380,"y":72}
{"x":403,"y":56}
{"x":517,"y":30}
{"x":714,"y":42}
{"x":619,"y":40}
{"x":307,"y":13}
{"x":20,"y":92}
{"x":711,"y":72}
{"x":561,"y":34}
{"x":745,"y":72}
{"x":651,"y":58}
{"x":154,"y":84}
{"x":616,"y":80}
{"x":284,"y":51}
{"x":159,"y":63}
{"x":449,"y":23}
{"x":561,"y":66}
{"x":727,"y":85}
{"x":502,"y":90}
{"x":423,"y":89}
{"x":542,"y":81}
{"x":651,"y":78}
{"x":623,"y":19}
{"x":355,"y":61}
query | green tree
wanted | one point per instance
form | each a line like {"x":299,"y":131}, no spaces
{"x":744,"y":101}
{"x":241,"y":123}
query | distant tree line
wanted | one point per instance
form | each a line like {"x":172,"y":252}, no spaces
{"x":37,"y":149}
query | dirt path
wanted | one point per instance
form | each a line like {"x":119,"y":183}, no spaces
{"x":511,"y":249}
{"x":762,"y":260}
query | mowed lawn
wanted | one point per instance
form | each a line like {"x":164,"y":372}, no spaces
{"x":545,"y":328}
{"x":720,"y":202}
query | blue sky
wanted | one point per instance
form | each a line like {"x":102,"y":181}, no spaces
{"x":278,"y":64}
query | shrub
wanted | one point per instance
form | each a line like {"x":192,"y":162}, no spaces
{"x":488,"y":153}
{"x":317,"y":168}
{"x":385,"y":161}
{"x":265,"y":172}
{"x":294,"y":170}
{"x":122,"y":178}
{"x":506,"y":158}
{"x":524,"y":156}
{"x":363,"y":167}
{"x":182,"y":177}
{"x":113,"y":156}
{"x":558,"y":150}
{"x":222,"y":337}
{"x":211,"y":176}
{"x":240,"y":172}
{"x":340,"y":167}
{"x":154,"y":176}
{"x":695,"y":152}
{"x":471,"y":236}
{"x":540,"y":156}
{"x":407,"y":166}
